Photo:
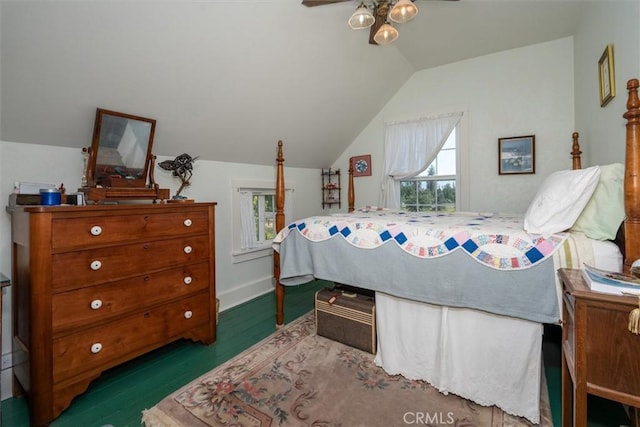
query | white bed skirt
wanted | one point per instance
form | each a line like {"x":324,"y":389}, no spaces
{"x":486,"y":358}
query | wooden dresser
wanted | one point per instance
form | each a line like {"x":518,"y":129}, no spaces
{"x":95,"y":286}
{"x":600,"y":355}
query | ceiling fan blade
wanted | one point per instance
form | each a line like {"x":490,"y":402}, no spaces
{"x":311,"y":3}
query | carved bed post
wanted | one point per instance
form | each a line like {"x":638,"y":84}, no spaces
{"x":351,"y":194}
{"x":575,"y":152}
{"x":632,"y":177}
{"x":279,"y":226}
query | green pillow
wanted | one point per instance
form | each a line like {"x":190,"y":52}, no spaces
{"x":603,"y":214}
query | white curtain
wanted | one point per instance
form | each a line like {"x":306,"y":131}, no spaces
{"x":247,"y":219}
{"x":409,"y":148}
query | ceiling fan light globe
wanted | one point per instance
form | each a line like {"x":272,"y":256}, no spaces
{"x":362,"y":18}
{"x":385,"y":35}
{"x":403,"y":11}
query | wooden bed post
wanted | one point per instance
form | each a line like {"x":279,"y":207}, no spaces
{"x":575,"y":152}
{"x":632,"y":177}
{"x":351,"y":199}
{"x":279,"y":226}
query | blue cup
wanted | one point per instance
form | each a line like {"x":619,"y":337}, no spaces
{"x":50,"y":196}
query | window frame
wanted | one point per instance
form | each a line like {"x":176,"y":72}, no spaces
{"x":262,"y":214}
{"x":436,"y":179}
{"x":257,"y":187}
{"x":462,"y":161}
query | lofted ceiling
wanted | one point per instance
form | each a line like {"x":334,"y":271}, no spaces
{"x":226,"y":79}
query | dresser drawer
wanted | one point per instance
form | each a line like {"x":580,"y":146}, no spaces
{"x":82,"y":307}
{"x":100,"y":230}
{"x":612,"y":350}
{"x":76,"y":269}
{"x":101,"y":347}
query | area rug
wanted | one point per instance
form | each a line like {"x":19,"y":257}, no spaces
{"x":296,"y":378}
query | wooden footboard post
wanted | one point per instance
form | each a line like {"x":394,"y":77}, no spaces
{"x":631,"y":194}
{"x":632,"y":177}
{"x":575,"y":152}
{"x":351,"y":199}
{"x":279,"y":226}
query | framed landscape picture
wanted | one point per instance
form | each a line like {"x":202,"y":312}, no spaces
{"x":516,"y":155}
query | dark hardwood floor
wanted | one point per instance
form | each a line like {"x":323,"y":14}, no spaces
{"x":118,"y":397}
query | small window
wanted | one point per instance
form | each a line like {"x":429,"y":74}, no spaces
{"x":264,"y":211}
{"x":254,"y":218}
{"x":434,"y":190}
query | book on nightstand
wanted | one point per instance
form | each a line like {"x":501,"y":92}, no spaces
{"x":610,"y":282}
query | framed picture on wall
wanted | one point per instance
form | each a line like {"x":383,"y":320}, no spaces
{"x":361,"y":165}
{"x":516,"y":155}
{"x":606,"y":76}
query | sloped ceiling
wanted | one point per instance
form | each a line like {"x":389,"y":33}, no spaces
{"x":226,"y":79}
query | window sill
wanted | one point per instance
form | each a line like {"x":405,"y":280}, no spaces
{"x":251,"y":254}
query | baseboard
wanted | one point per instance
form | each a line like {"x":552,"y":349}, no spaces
{"x":245,"y":292}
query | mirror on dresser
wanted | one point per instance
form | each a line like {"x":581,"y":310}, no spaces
{"x":120,"y":160}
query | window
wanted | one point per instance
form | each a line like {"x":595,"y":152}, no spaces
{"x":434,"y":190}
{"x":254,"y":218}
{"x":264,"y":215}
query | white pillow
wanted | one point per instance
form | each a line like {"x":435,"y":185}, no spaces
{"x":560,"y":200}
{"x":602,"y":216}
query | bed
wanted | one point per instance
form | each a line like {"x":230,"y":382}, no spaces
{"x":472,"y":330}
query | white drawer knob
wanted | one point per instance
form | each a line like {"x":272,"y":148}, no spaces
{"x":187,"y":222}
{"x":96,"y":265}
{"x":187,"y":249}
{"x":96,"y":230}
{"x":95,"y":348}
{"x":188,"y":314}
{"x":96,"y":304}
{"x":187,"y":280}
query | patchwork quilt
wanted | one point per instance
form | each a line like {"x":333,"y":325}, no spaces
{"x":495,"y":240}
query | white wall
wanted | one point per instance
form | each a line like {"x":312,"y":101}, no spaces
{"x":29,"y":163}
{"x":550,"y":90}
{"x":602,"y":129}
{"x":211,"y":181}
{"x":516,"y":92}
{"x":522,"y":91}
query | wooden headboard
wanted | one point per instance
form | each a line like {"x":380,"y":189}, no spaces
{"x":631,"y":191}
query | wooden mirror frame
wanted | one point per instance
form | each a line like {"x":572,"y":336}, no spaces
{"x":100,"y":144}
{"x":117,"y":180}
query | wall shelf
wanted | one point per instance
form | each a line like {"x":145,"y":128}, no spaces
{"x":330,"y":187}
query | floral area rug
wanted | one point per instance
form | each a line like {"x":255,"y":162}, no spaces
{"x":296,"y":378}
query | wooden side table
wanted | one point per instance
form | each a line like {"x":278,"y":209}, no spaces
{"x":600,"y":355}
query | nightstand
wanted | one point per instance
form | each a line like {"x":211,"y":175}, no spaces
{"x":600,"y":355}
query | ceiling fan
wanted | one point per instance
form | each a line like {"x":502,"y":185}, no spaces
{"x":375,"y":15}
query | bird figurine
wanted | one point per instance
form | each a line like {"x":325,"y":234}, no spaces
{"x":180,"y":167}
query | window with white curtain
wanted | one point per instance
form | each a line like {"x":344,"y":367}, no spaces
{"x":426,"y":162}
{"x":434,"y":189}
{"x":264,"y":216}
{"x":254,"y":210}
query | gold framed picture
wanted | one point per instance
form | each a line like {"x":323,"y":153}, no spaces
{"x":607,"y":78}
